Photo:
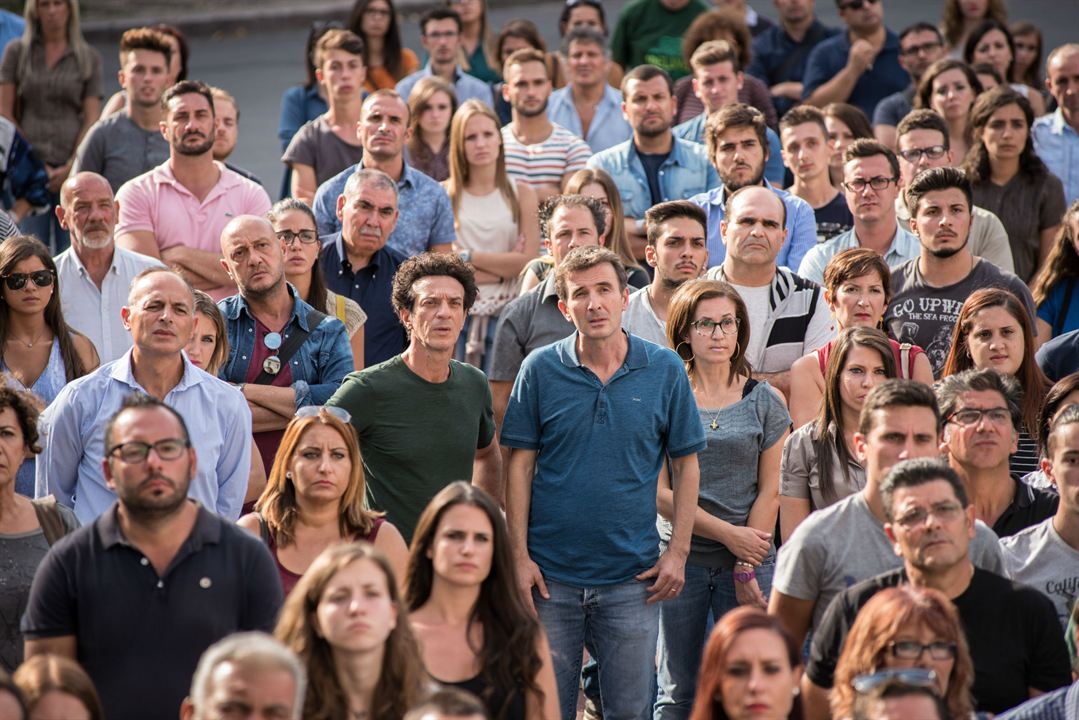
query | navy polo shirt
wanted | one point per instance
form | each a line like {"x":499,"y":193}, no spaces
{"x":140,"y":635}
{"x":773,"y":46}
{"x":600,"y":447}
{"x":371,"y":287}
{"x":884,"y":78}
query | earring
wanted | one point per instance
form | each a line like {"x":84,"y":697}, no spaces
{"x":686,"y":360}
{"x":737,"y":347}
{"x":795,"y":691}
{"x":288,"y":475}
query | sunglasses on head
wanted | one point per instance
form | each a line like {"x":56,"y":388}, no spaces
{"x":17,"y":281}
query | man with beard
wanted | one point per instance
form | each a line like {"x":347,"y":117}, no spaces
{"x":159,"y":315}
{"x":676,"y":249}
{"x":139,"y":594}
{"x":227,"y":131}
{"x":177,"y":211}
{"x":737,"y":142}
{"x":94,"y":273}
{"x":538,"y":152}
{"x":284,"y":354}
{"x":929,"y":290}
{"x":129,"y":142}
{"x":654,"y":165}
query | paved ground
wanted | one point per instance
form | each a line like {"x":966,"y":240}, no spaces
{"x":255,"y":49}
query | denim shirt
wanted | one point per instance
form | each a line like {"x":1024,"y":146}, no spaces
{"x":608,"y":127}
{"x":686,"y":172}
{"x":318,"y":365}
{"x":774,"y":171}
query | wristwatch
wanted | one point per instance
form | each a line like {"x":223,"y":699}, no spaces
{"x":744,"y":575}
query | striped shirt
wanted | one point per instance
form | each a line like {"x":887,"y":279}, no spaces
{"x":547,"y":162}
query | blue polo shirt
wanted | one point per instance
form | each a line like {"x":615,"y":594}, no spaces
{"x":370,"y":287}
{"x":884,"y":78}
{"x":600,"y":447}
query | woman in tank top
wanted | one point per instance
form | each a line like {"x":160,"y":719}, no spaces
{"x":467,"y":613}
{"x":496,"y":221}
{"x":315,"y":497}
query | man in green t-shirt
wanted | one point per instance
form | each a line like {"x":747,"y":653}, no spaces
{"x":424,"y":419}
{"x":650,"y":31}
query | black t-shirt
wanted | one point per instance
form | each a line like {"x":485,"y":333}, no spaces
{"x":833,"y":218}
{"x":1029,"y":507}
{"x":651,"y":163}
{"x":1015,"y":638}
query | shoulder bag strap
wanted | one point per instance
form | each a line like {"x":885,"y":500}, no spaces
{"x":292,"y":344}
{"x":48,"y":517}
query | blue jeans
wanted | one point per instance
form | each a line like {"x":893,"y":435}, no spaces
{"x":622,"y":630}
{"x":46,"y":227}
{"x":683,"y":630}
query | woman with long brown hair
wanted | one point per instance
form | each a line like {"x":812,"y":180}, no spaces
{"x":57,"y":687}
{"x":1053,"y":287}
{"x":474,"y":630}
{"x":949,"y":87}
{"x":315,"y":497}
{"x":994,"y":331}
{"x":959,"y":18}
{"x":346,"y":622}
{"x":845,"y":123}
{"x":386,"y":59}
{"x":431,"y":105}
{"x":751,"y":669}
{"x":38,"y":350}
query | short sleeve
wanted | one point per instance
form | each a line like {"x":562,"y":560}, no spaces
{"x":1049,"y":310}
{"x":487,"y":419}
{"x":521,"y":424}
{"x":685,"y":434}
{"x":508,"y":350}
{"x":821,"y":330}
{"x":794,"y":467}
{"x":799,"y":563}
{"x":10,"y":63}
{"x":1053,"y":203}
{"x":355,"y":397}
{"x":263,"y":585}
{"x":94,"y":87}
{"x":301,"y":149}
{"x":827,"y":644}
{"x":775,"y":419}
{"x":1046,"y":652}
{"x":442,"y":230}
{"x":577,"y":155}
{"x":134,"y":200}
{"x":816,"y":72}
{"x":51,"y":608}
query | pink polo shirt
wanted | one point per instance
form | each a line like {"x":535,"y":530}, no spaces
{"x":156,"y":202}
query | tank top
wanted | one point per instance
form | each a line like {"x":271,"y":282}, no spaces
{"x":289,"y":578}
{"x":46,"y":387}
{"x":477,"y":687}
{"x":485,"y":224}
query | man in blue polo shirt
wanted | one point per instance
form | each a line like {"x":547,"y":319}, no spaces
{"x":860,"y":66}
{"x":600,"y":578}
{"x":357,"y":263}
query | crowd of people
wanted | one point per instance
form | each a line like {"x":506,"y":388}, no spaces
{"x":707,"y":366}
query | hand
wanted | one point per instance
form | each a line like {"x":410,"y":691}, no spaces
{"x":529,"y":575}
{"x":749,"y":544}
{"x":669,"y":572}
{"x":749,"y":593}
{"x":790,"y":90}
{"x":57,"y":175}
{"x":862,"y":55}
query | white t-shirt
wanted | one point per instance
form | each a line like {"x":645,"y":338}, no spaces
{"x":1039,"y":557}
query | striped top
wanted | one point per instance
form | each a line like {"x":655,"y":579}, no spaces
{"x":547,"y":162}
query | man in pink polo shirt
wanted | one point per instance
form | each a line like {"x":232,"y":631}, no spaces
{"x":177,"y":211}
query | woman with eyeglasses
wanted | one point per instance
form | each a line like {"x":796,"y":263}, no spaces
{"x":294,"y":223}
{"x":750,"y":670}
{"x":993,"y":331}
{"x":732,"y":556}
{"x":991,"y":42}
{"x":949,"y":87}
{"x":907,"y":627}
{"x":857,"y":288}
{"x":346,"y":622}
{"x":38,"y":350}
{"x":1010,"y":180}
{"x":385,"y":58}
{"x":819,"y":466}
{"x":477,"y":40}
{"x":315,"y":497}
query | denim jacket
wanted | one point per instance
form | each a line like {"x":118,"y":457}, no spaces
{"x":318,"y":366}
{"x":685,"y":173}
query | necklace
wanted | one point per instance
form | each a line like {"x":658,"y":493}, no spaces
{"x":31,"y":343}
{"x":714,"y":424}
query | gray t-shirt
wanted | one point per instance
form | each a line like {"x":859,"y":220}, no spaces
{"x":799,"y":475}
{"x":924,"y":315}
{"x":20,"y":554}
{"x":1039,"y":557}
{"x":729,"y":466}
{"x":528,"y":322}
{"x":640,"y":319}
{"x":317,"y":145}
{"x":120,"y":150}
{"x":843,"y":544}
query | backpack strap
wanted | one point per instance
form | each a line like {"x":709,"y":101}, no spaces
{"x":49,"y":518}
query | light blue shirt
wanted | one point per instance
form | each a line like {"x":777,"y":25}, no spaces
{"x":904,"y":247}
{"x":608,"y":126}
{"x":73,"y":435}
{"x":693,"y":130}
{"x":466,"y":87}
{"x":801,"y":226}
{"x":1057,"y":144}
{"x":425,"y":215}
{"x":684,"y":173}
{"x":96,"y":312}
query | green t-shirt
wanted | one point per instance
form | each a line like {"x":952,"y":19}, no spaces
{"x":649,"y":33}
{"x":416,"y":437}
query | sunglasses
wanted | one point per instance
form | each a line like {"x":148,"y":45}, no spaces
{"x":314,"y":410}
{"x":916,"y":677}
{"x":856,"y":4}
{"x":17,"y":281}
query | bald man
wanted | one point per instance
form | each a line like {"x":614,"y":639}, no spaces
{"x":94,"y":273}
{"x":1056,"y":136}
{"x":284,"y":354}
{"x":787,"y":314}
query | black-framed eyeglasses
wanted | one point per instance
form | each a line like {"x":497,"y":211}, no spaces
{"x":933,"y":152}
{"x":916,"y":517}
{"x":918,"y":49}
{"x":307,"y":237}
{"x":877,"y":183}
{"x":136,"y":451}
{"x":972,"y":416}
{"x":706,"y":327}
{"x":916,"y":677}
{"x":856,"y":4}
{"x":17,"y":281}
{"x":912,"y":649}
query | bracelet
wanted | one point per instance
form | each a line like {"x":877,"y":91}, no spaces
{"x":743,"y":563}
{"x":744,"y":576}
